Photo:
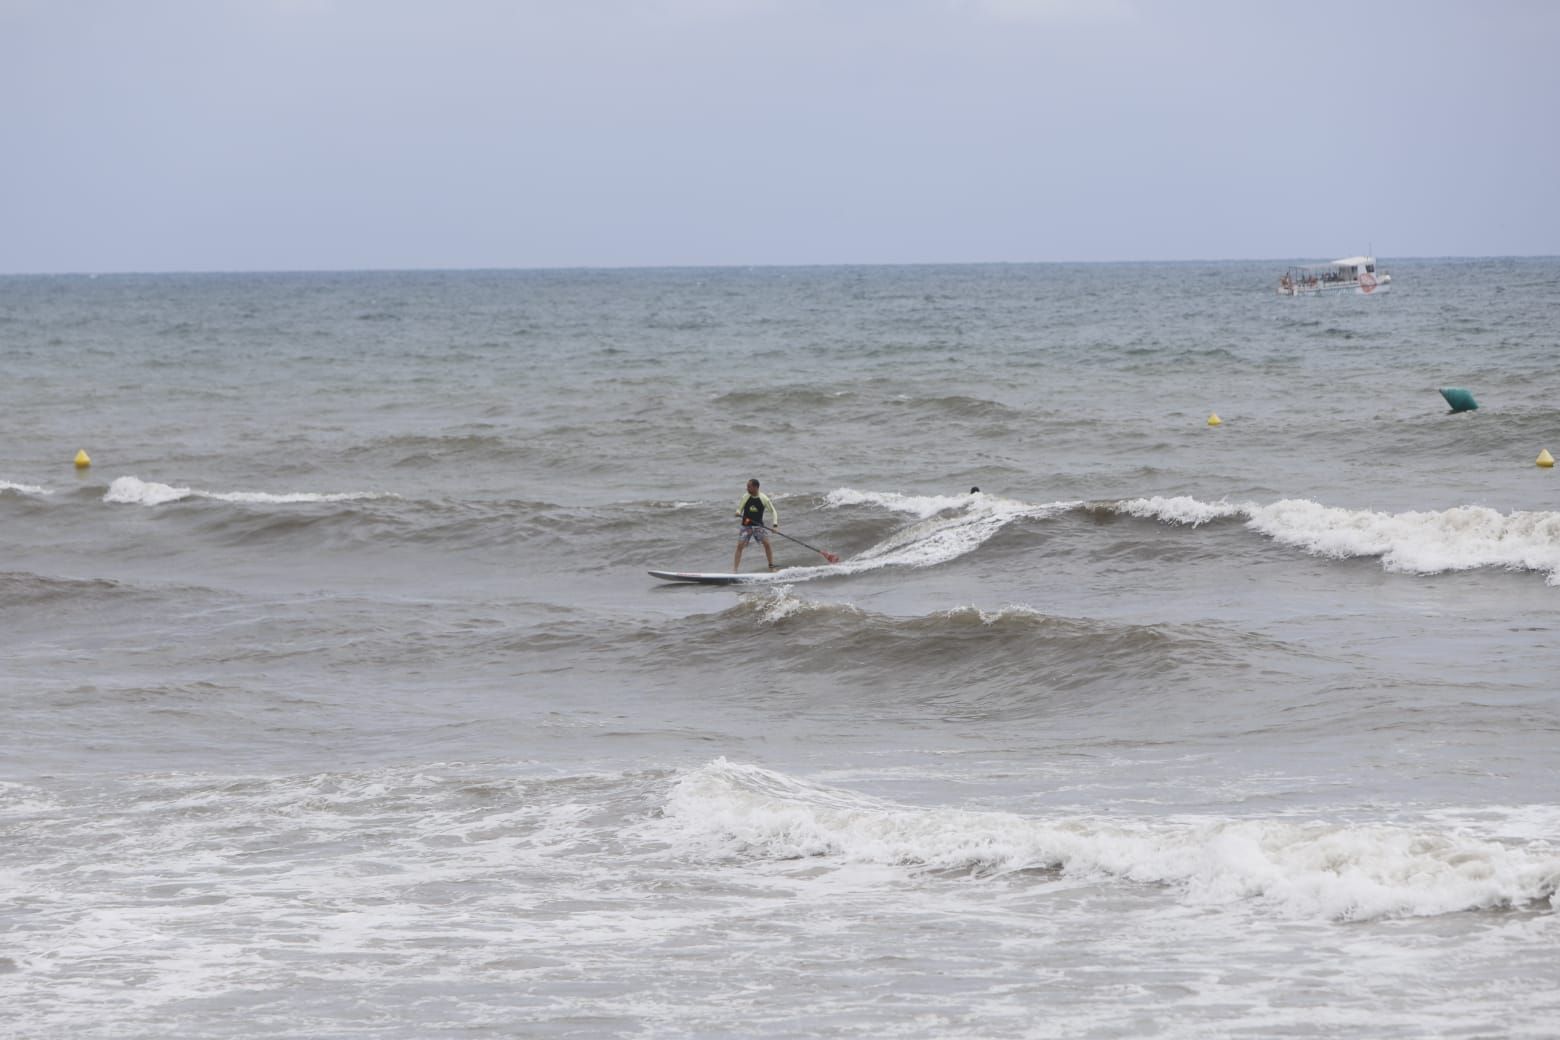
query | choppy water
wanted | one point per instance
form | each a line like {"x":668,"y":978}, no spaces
{"x":338,"y":701}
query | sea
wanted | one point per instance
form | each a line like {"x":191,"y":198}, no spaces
{"x":338,"y":701}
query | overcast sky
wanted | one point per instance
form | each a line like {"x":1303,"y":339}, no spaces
{"x":350,"y":134}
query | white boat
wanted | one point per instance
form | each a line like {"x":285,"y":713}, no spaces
{"x":1351,"y":274}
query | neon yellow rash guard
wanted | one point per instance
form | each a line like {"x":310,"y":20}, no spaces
{"x":752,"y":508}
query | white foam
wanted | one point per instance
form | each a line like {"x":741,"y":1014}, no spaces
{"x":289,"y":498}
{"x":23,"y":800}
{"x":776,"y":603}
{"x":134,"y":491}
{"x":26,"y":489}
{"x":1319,"y":869}
{"x":1180,"y":510}
{"x":1462,"y":538}
{"x":995,"y":617}
{"x":949,"y":526}
{"x":916,"y":505}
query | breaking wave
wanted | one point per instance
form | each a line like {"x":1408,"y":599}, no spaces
{"x":134,"y":491}
{"x":1304,"y":869}
{"x":945,"y":527}
{"x":1430,"y":542}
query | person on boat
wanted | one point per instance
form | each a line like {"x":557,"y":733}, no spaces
{"x":750,"y":510}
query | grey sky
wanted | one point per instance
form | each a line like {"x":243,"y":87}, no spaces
{"x":326,"y":134}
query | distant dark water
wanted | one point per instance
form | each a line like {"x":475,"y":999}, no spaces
{"x":338,"y":699}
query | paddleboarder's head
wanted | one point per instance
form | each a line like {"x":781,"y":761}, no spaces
{"x":753,"y":486}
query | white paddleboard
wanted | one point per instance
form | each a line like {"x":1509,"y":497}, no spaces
{"x":713,"y":579}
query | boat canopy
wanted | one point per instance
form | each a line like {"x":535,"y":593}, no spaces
{"x":1367,"y":262}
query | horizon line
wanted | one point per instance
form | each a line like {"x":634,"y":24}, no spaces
{"x":726,"y":266}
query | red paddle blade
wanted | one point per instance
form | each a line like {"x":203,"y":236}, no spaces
{"x":831,"y":557}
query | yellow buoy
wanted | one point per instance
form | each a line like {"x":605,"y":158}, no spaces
{"x":1214,"y":420}
{"x":1545,"y":459}
{"x":82,"y":460}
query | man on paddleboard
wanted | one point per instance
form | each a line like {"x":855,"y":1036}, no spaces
{"x":751,"y":511}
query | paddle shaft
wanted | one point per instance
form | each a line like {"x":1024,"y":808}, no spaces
{"x":826,"y":555}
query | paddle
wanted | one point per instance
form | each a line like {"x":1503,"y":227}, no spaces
{"x":831,"y":557}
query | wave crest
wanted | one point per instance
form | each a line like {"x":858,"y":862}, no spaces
{"x":134,"y":491}
{"x":1431,"y":542}
{"x":1301,"y":869}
